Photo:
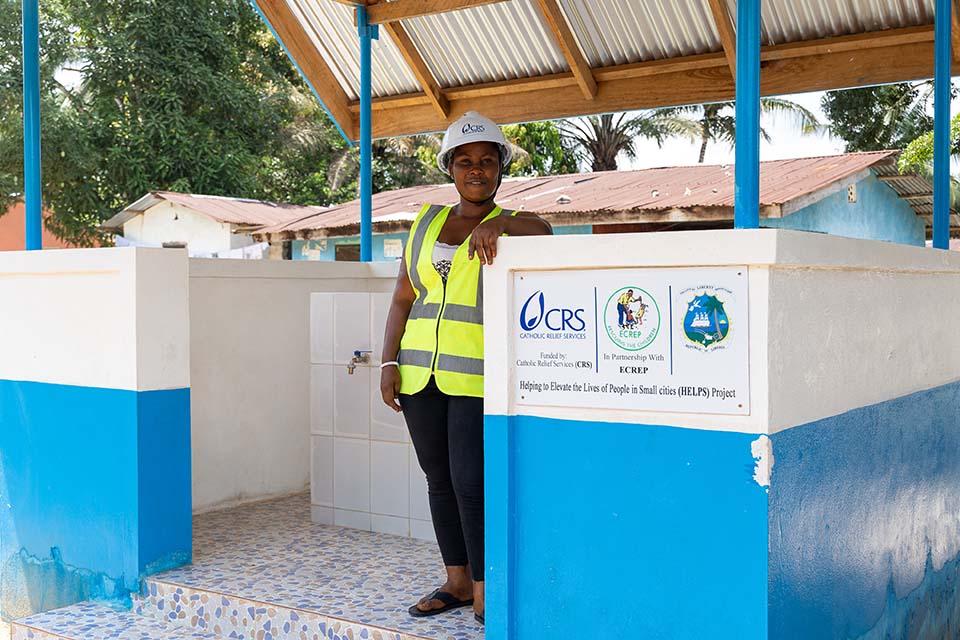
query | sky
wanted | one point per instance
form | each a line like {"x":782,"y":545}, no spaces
{"x":785,"y":142}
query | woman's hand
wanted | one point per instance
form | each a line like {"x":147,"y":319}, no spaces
{"x":483,"y":240}
{"x":390,"y":387}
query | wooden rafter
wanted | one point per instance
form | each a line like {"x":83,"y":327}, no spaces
{"x":728,"y":35}
{"x":419,"y":68}
{"x":568,"y":45}
{"x":384,"y":12}
{"x":816,"y":65}
{"x":308,"y":58}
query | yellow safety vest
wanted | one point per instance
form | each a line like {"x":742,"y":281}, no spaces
{"x":444,"y":331}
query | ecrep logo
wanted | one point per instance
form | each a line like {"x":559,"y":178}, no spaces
{"x":472,"y":128}
{"x":535,"y":312}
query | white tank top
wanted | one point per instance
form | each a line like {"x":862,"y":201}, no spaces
{"x":442,"y":258}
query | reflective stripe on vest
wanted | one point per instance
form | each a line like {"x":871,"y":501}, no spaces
{"x":444,"y":332}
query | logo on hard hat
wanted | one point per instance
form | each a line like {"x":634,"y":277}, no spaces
{"x":470,"y":128}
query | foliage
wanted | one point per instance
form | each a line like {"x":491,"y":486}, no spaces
{"x":918,"y":154}
{"x":545,"y":150}
{"x":716,"y":122}
{"x":877,"y":118}
{"x":600,"y":139}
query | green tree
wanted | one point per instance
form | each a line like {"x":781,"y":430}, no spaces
{"x":716,"y":122}
{"x":918,"y":158}
{"x":876,"y":118}
{"x":545,"y":150}
{"x":600,"y":139}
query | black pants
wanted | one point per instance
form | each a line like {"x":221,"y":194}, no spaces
{"x":447,"y":433}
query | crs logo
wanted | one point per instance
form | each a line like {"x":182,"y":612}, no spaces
{"x":534,"y":313}
{"x":469,"y":129}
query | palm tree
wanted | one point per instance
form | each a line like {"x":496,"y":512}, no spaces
{"x":602,"y":138}
{"x":716,"y":121}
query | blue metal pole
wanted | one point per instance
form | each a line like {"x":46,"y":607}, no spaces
{"x":941,"y":126}
{"x":31,"y":123}
{"x":367,"y":33}
{"x":746,"y":213}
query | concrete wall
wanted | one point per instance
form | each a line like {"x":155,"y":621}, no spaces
{"x":250,"y":366}
{"x":828,"y":511}
{"x":169,"y":222}
{"x":94,"y":408}
{"x":326,"y":249}
{"x":878,"y":214}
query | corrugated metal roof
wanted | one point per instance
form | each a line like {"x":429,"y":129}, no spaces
{"x":490,"y":43}
{"x":613,"y":32}
{"x":240,"y":211}
{"x":615,"y":192}
{"x":331,"y":27}
{"x":796,"y":20}
{"x":509,"y":39}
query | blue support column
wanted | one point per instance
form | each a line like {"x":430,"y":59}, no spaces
{"x":747,"y":195}
{"x":31,"y":123}
{"x":367,"y":33}
{"x":941,"y":127}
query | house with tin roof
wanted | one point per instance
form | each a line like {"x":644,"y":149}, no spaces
{"x":857,"y":195}
{"x":208,"y":226}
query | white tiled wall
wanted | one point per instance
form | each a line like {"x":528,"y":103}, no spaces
{"x":364,"y":471}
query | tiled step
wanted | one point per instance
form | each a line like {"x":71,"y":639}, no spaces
{"x":266,"y":572}
{"x":91,"y":621}
{"x":230,"y":616}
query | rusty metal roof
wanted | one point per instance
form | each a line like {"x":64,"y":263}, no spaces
{"x":239,"y":211}
{"x":604,"y":197}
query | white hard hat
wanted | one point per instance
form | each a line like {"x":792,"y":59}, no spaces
{"x":472,"y":127}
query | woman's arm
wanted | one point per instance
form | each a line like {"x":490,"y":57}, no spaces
{"x":403,"y":297}
{"x":483,"y":240}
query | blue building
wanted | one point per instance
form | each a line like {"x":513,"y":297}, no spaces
{"x":855,"y":195}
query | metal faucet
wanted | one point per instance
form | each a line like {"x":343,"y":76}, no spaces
{"x":359,"y":357}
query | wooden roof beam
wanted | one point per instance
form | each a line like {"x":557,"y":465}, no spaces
{"x":816,"y":65}
{"x":568,"y":45}
{"x":728,"y":34}
{"x":297,"y":41}
{"x":419,"y":67}
{"x":384,"y":12}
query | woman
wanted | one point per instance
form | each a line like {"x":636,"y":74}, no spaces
{"x":432,"y":367}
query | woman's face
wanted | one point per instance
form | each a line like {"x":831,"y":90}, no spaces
{"x":475,"y":169}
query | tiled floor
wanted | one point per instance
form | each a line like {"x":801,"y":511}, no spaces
{"x":271,"y":553}
{"x":90,"y":621}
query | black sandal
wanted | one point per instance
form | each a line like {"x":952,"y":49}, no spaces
{"x":449,"y":602}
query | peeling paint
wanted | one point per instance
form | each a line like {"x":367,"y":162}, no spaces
{"x":762,"y":451}
{"x":31,"y":583}
{"x":932,"y":610}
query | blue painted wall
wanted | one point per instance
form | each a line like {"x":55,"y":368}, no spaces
{"x":632,"y":531}
{"x":94,"y":491}
{"x":317,"y":250}
{"x":865,"y":523}
{"x":661,"y":532}
{"x":878,"y":214}
{"x":306,"y":249}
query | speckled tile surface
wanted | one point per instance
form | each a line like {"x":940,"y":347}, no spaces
{"x":88,"y":621}
{"x":268,"y":567}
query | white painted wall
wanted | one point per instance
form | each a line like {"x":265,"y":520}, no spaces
{"x":835,"y":323}
{"x":364,"y":473}
{"x":170,"y":222}
{"x":109,"y":318}
{"x":250,"y":371}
